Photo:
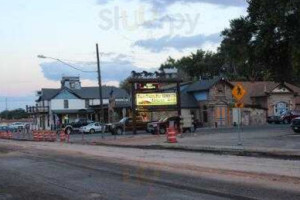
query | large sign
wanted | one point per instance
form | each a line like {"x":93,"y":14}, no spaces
{"x":156,"y":99}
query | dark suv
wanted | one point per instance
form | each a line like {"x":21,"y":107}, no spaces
{"x":162,"y":125}
{"x":75,"y":126}
{"x":126,"y":124}
{"x":289,"y":116}
{"x":296,"y":125}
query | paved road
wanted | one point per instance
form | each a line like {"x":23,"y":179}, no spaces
{"x":52,"y":171}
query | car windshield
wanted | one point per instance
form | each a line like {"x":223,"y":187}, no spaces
{"x":164,"y":119}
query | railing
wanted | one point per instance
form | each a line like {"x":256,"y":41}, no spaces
{"x":37,"y":109}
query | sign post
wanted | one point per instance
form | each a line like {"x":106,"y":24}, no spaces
{"x":238,"y":92}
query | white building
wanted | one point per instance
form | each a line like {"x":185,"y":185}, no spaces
{"x":71,"y":101}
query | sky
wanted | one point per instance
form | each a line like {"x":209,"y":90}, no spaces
{"x":132,"y":35}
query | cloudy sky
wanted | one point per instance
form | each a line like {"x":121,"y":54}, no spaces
{"x":132,"y":35}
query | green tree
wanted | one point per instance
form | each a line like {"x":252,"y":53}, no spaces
{"x":196,"y":65}
{"x":126,"y":85}
{"x":14,"y":114}
{"x":276,"y":36}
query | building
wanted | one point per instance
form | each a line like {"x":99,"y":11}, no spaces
{"x":275,"y":98}
{"x":211,"y":101}
{"x":72,"y":101}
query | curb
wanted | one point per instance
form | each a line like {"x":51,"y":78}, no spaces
{"x":275,"y":154}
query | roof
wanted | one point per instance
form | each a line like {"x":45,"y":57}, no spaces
{"x":202,"y":85}
{"x":188,"y":100}
{"x":86,"y":93}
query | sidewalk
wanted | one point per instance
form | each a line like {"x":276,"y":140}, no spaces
{"x":277,"y":142}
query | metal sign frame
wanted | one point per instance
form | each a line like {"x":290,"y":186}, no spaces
{"x":158,"y":80}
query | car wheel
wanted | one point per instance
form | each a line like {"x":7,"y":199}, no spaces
{"x":162,"y":131}
{"x":92,"y":131}
{"x":119,"y":131}
{"x":68,"y":131}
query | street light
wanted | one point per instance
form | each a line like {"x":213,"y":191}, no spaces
{"x":99,"y":76}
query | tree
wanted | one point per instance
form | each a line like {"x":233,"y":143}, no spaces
{"x":276,"y":38}
{"x":126,"y":85}
{"x":197,"y":65}
{"x":14,"y":114}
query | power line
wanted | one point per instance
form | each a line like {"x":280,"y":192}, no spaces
{"x":75,"y":67}
{"x":65,"y":63}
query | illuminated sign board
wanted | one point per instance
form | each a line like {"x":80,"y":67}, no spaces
{"x":156,"y":99}
{"x":148,"y":86}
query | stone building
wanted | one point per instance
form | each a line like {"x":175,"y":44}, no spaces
{"x":211,"y":101}
{"x":273,"y":97}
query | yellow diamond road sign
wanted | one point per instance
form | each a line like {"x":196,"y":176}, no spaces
{"x":238,"y":92}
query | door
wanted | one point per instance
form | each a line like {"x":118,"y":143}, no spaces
{"x":220,"y":115}
{"x":280,"y":108}
{"x":97,"y":127}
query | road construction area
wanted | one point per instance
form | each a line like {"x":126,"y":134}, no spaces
{"x":43,"y":170}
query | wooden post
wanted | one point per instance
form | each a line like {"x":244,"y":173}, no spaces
{"x":133,"y":107}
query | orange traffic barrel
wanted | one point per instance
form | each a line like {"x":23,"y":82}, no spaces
{"x":62,"y":136}
{"x":9,"y":135}
{"x":171,"y":135}
{"x":36,"y":136}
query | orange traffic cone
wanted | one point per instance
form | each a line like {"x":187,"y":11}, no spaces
{"x":171,"y":135}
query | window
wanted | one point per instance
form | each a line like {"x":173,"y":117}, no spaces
{"x":66,"y":104}
{"x":87,"y":103}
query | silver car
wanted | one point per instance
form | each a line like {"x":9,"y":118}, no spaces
{"x":92,"y":128}
{"x":16,"y":125}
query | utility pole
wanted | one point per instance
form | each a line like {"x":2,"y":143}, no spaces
{"x":6,"y":108}
{"x":100,"y":85}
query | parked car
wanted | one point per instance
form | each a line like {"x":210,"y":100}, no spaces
{"x":162,"y":125}
{"x":92,"y":128}
{"x":274,"y":120}
{"x":75,"y":126}
{"x":296,"y":125}
{"x":4,"y":128}
{"x":287,"y":117}
{"x":17,"y":125}
{"x":126,"y":124}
